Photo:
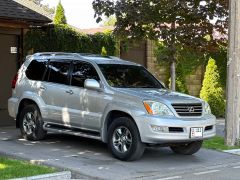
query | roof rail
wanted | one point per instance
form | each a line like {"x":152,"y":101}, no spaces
{"x":56,"y":54}
{"x":115,"y":58}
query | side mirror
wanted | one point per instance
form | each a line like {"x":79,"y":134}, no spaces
{"x":92,"y":84}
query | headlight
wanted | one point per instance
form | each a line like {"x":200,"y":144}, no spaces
{"x":158,"y":108}
{"x":207,"y":109}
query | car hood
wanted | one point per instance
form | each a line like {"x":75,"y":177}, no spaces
{"x":162,"y":95}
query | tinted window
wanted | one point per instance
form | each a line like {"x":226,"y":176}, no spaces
{"x":36,"y":70}
{"x":129,"y":76}
{"x":81,"y":72}
{"x":58,"y":72}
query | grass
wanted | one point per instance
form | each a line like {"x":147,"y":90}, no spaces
{"x":10,"y":168}
{"x":217,"y":143}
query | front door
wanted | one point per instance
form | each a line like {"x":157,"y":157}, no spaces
{"x":83,"y":114}
{"x":8,"y":68}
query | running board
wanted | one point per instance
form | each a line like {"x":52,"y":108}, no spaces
{"x":71,"y":131}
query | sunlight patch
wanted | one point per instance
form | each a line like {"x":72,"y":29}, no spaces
{"x":3,"y":166}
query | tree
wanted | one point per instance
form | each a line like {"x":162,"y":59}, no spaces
{"x":184,"y":23}
{"x":60,"y":17}
{"x":212,"y":91}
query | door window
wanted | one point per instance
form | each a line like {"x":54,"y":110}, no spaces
{"x":58,"y":72}
{"x":81,"y":72}
{"x":36,"y":69}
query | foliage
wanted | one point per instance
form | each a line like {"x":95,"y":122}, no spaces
{"x":217,"y":143}
{"x":221,"y":60}
{"x":184,"y":23}
{"x":60,"y":17}
{"x":62,"y":38}
{"x":110,"y":21}
{"x":10,"y":169}
{"x":148,"y":19}
{"x":212,"y":91}
{"x":187,"y":61}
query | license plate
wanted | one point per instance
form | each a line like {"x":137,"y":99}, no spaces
{"x":196,"y":132}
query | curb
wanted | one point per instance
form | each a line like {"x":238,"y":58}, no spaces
{"x":52,"y":176}
{"x":233,"y":151}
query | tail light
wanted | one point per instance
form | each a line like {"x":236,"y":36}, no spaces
{"x":14,"y":81}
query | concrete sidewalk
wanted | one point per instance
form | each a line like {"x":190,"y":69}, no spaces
{"x":90,"y":159}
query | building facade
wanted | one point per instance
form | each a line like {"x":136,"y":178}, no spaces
{"x":16,"y":17}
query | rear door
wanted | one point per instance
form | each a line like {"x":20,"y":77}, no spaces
{"x":54,"y":89}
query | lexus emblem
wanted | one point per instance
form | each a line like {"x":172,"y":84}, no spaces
{"x":191,"y":109}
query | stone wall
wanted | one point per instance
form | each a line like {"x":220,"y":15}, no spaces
{"x":160,"y":72}
{"x":193,"y":81}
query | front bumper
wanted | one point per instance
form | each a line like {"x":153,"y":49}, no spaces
{"x":175,"y":129}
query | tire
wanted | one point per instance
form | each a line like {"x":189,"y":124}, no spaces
{"x":125,"y":134}
{"x":31,"y":124}
{"x":187,"y":149}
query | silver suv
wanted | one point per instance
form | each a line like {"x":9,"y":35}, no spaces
{"x":115,"y":101}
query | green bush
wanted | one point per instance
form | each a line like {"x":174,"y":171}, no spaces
{"x":62,"y":38}
{"x":212,"y":91}
{"x":180,"y":85}
{"x":104,"y":51}
{"x":221,"y":60}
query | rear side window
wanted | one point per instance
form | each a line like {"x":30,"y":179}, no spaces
{"x":36,"y":69}
{"x":81,"y":72}
{"x":58,"y":72}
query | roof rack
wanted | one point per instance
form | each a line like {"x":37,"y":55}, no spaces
{"x":56,"y":54}
{"x":98,"y":55}
{"x":115,"y":58}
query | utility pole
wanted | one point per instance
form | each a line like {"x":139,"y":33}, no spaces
{"x":233,"y":76}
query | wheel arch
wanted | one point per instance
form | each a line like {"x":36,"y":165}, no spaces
{"x":24,"y":102}
{"x":113,"y":114}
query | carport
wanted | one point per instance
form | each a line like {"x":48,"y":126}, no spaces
{"x":16,"y":17}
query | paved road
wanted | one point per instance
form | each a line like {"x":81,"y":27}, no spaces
{"x":90,"y":159}
{"x":220,"y":127}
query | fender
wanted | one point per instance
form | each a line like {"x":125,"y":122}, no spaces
{"x":37,"y":99}
{"x":129,"y":109}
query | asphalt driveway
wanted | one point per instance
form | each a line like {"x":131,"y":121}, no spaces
{"x":90,"y":158}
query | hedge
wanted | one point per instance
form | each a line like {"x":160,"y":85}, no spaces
{"x":62,"y":38}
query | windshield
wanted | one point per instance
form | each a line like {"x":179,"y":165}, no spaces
{"x":128,"y":76}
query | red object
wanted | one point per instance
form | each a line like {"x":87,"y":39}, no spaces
{"x":14,"y":81}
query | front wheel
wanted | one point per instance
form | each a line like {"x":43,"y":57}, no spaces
{"x":188,"y":148}
{"x":124,"y":140}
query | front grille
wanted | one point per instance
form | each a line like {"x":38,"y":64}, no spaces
{"x":175,"y":129}
{"x":188,"y":109}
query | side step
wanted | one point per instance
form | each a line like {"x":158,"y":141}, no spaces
{"x":71,"y":131}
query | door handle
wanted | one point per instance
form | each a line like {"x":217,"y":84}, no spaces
{"x":42,"y":88}
{"x":69,"y":92}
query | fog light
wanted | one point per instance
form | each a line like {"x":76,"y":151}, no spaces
{"x":159,"y":128}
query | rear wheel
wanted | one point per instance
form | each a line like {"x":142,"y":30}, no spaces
{"x":31,"y":124}
{"x":188,"y":148}
{"x":124,"y":140}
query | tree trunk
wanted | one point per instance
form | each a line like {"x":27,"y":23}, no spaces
{"x":173,"y":75}
{"x":173,"y":59}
